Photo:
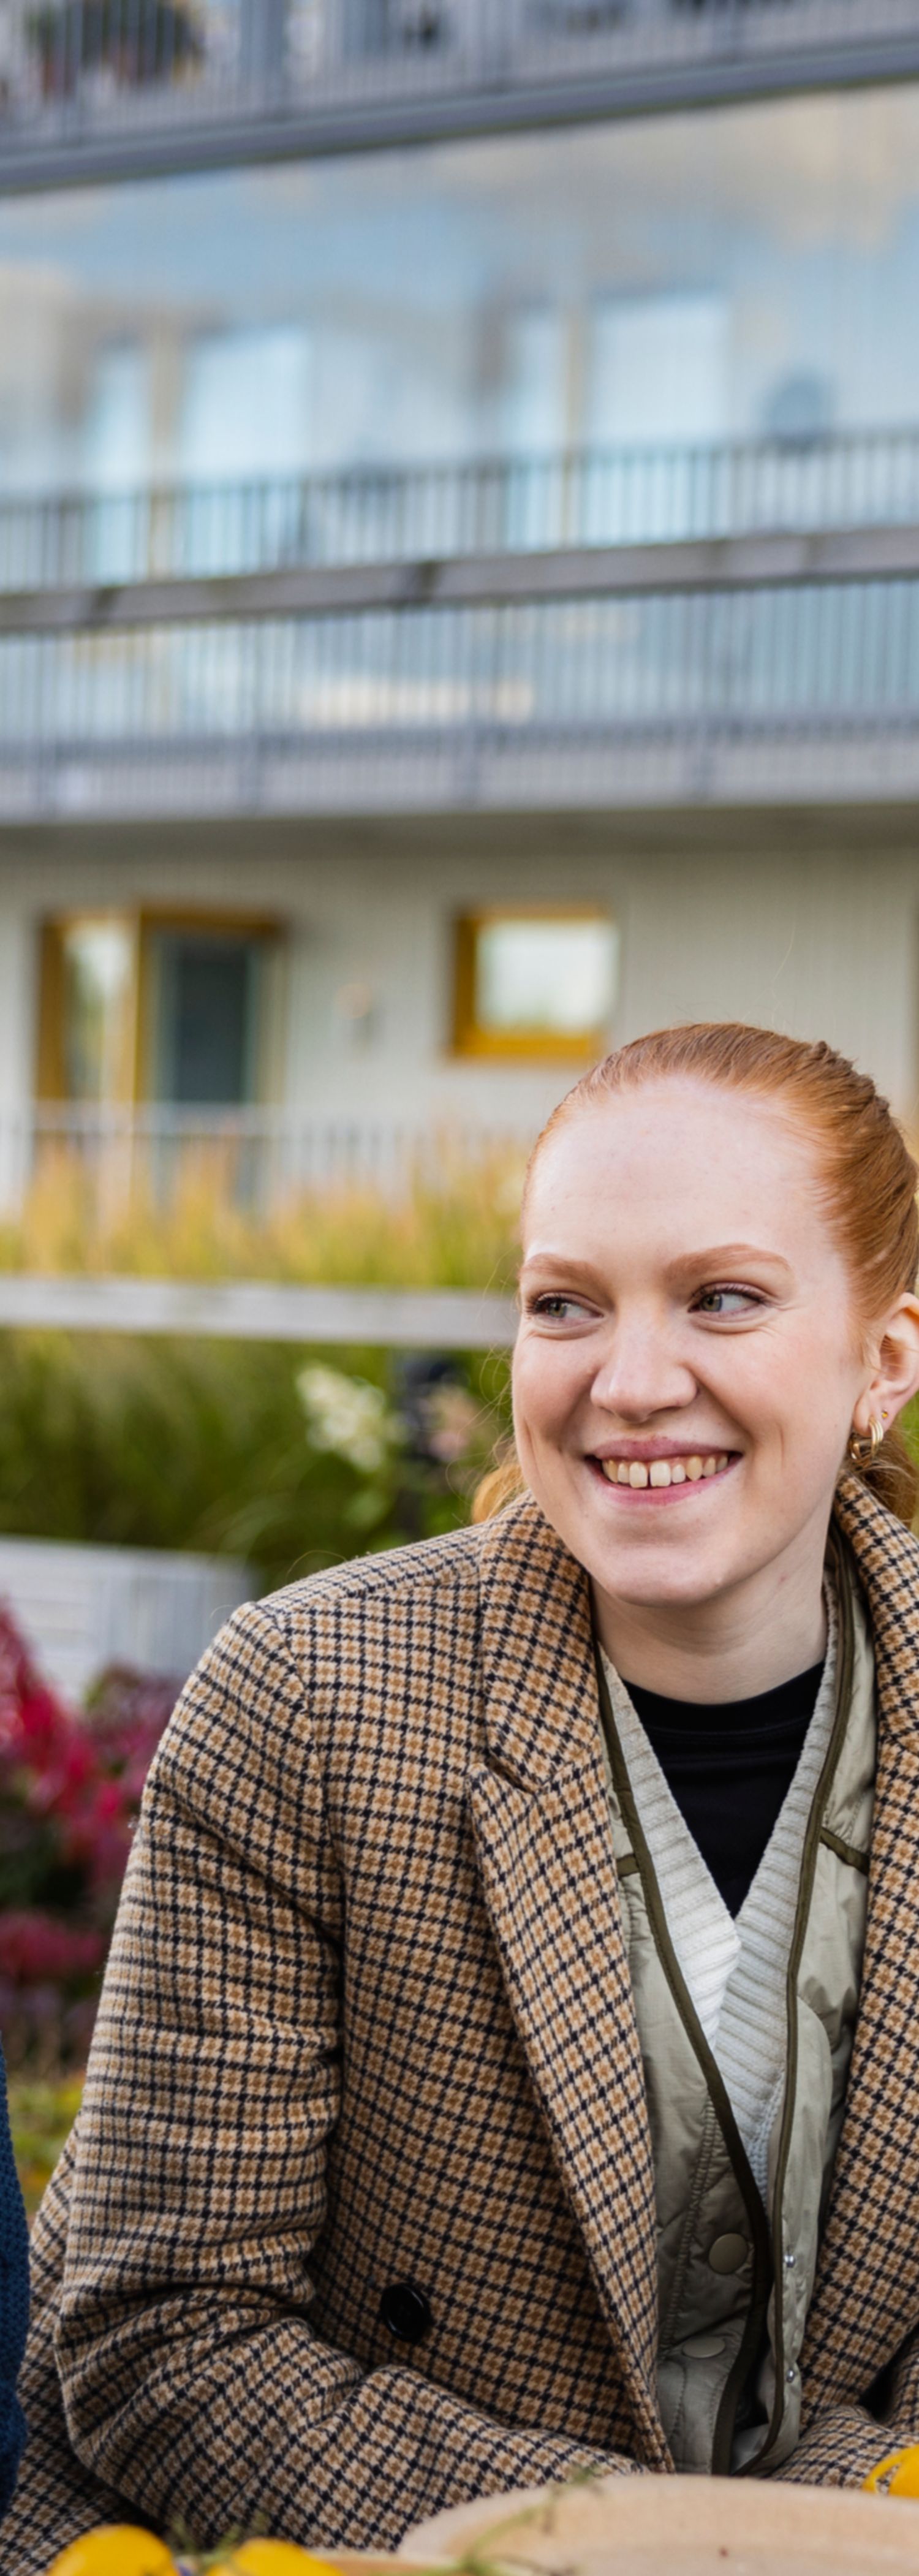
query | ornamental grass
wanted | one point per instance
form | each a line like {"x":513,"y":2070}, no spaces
{"x":452,"y":1224}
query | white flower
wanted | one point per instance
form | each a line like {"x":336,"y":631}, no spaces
{"x":347,"y":1417}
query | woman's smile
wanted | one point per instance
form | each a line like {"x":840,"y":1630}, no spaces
{"x":648,"y":1476}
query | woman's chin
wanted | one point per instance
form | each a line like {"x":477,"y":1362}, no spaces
{"x":660,"y":1566}
{"x":657,"y":1586}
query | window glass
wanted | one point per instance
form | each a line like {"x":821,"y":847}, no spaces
{"x":116,"y":426}
{"x":373,"y":277}
{"x":546,"y":975}
{"x":534,"y":404}
{"x":659,"y":370}
{"x":534,"y":982}
{"x":98,"y":1009}
{"x":245,"y":406}
{"x":205,"y":1013}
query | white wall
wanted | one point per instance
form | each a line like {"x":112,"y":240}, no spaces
{"x":806,"y":923}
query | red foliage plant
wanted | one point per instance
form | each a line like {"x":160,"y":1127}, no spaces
{"x":70,"y":1788}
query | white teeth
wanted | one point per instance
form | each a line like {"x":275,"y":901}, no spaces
{"x":663,"y":1471}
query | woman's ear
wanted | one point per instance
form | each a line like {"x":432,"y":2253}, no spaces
{"x":896,"y":1366}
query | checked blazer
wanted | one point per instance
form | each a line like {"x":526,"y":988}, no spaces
{"x":367,"y":2021}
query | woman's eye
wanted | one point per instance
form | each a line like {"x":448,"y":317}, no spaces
{"x":555,"y":1308}
{"x":726,"y":1301}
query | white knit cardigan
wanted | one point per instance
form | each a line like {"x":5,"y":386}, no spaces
{"x":735,"y":1969}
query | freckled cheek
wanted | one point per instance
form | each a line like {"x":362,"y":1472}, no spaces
{"x":549,"y":1389}
{"x":774,"y":1395}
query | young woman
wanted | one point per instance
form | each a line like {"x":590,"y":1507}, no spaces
{"x":508,"y":2064}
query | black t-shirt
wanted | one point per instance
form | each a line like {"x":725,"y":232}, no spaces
{"x":729,"y":1767}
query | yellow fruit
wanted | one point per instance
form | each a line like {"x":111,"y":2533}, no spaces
{"x":898,"y":2475}
{"x":273,"y":2558}
{"x":115,"y":2549}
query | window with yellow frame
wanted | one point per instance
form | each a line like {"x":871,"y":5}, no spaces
{"x":538,"y":982}
{"x":153,"y":1006}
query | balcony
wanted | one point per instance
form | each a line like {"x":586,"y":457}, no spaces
{"x":108,"y":89}
{"x":76,"y":545}
{"x":260,"y":1223}
{"x":733,"y":623}
{"x":252,"y":1159}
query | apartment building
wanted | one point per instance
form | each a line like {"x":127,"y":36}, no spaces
{"x":459,"y":554}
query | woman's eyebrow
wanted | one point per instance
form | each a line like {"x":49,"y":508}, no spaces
{"x":544,"y":1258}
{"x":728,"y":1256}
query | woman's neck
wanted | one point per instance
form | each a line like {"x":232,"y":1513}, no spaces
{"x":730,"y":1647}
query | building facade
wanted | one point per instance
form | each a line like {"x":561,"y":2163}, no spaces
{"x":459,"y":555}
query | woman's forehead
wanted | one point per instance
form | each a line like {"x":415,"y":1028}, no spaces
{"x":664,"y":1117}
{"x":640,"y":1156}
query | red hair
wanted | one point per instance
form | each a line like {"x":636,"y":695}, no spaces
{"x":867,"y":1176}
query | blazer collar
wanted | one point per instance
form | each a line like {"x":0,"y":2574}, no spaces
{"x":539,"y":1687}
{"x":866,"y":2293}
{"x":545,"y":1855}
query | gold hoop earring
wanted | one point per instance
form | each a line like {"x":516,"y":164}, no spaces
{"x":863,"y":1446}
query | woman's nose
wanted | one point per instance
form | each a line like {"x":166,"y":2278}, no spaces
{"x":642,"y":1373}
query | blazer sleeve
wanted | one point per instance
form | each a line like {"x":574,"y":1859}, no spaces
{"x":192,"y":2379}
{"x":14,"y":2305}
{"x":844,"y":2441}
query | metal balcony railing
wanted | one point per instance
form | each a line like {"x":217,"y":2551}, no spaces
{"x":391,"y":514}
{"x":96,"y":88}
{"x":751,"y":693}
{"x":747,"y":614}
{"x":256,"y":1158}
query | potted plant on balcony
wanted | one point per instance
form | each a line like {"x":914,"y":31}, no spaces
{"x":78,"y":39}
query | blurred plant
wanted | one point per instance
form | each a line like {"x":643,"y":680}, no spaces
{"x":441,"y":1417}
{"x":69,"y":1792}
{"x":348,"y":1418}
{"x":254,"y":1450}
{"x":453,"y":1226}
{"x":41,"y":2117}
{"x":245,"y":1449}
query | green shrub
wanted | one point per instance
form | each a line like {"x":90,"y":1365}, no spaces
{"x":229,"y":1448}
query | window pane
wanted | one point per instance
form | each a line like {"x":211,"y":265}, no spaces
{"x":116,"y":427}
{"x":554,"y":977}
{"x":659,"y":371}
{"x":246,"y":403}
{"x":98,"y":977}
{"x":205,"y":1016}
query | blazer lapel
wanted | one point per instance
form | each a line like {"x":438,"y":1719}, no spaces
{"x":545,"y":1854}
{"x":866,"y":2294}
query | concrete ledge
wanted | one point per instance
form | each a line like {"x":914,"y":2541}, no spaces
{"x":259,"y":1310}
{"x":775,"y":559}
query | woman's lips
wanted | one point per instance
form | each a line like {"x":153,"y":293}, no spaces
{"x":662,"y":1475}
